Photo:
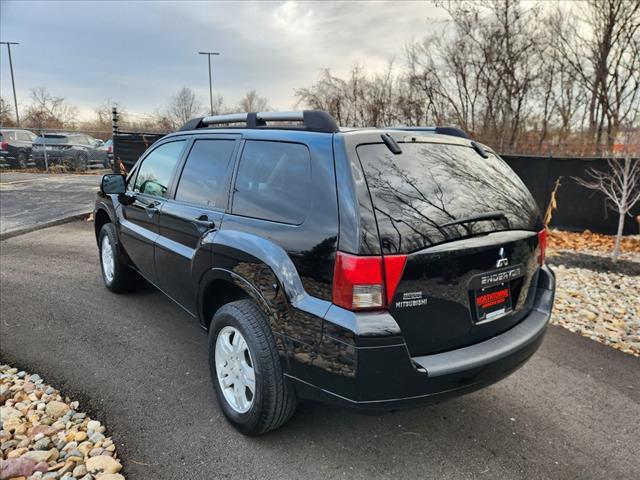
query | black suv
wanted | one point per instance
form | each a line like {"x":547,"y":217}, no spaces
{"x":76,"y":151}
{"x":376,"y":269}
{"x":15,"y":147}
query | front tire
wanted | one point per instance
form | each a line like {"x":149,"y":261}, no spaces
{"x":117,"y":275}
{"x":245,"y":370}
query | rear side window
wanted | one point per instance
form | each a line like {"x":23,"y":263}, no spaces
{"x":273,"y":182}
{"x":204,"y":172}
{"x":155,"y":172}
{"x":52,"y":139}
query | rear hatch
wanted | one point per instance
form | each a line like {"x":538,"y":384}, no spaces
{"x":469,"y":228}
{"x":52,"y":142}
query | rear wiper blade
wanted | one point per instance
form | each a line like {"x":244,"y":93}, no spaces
{"x":497,"y":215}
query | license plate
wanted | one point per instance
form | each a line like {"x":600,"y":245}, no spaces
{"x":493,"y":302}
{"x":48,"y":148}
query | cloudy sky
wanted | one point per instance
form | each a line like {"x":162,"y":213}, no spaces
{"x":141,"y":53}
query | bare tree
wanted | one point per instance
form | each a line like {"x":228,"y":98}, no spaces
{"x":603,"y":49}
{"x":183,"y":106}
{"x":621,"y":188}
{"x":218,"y":105}
{"x":48,"y":111}
{"x":6,"y":113}
{"x":252,"y":102}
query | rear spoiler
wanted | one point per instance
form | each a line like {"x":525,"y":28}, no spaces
{"x":452,"y":131}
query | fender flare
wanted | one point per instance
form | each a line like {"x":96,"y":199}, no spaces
{"x":243,"y":259}
{"x":217,"y":273}
{"x":234,"y":244}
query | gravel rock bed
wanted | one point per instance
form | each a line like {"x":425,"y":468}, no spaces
{"x":597,"y":299}
{"x":43,"y":435}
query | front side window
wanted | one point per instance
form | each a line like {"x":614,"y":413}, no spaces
{"x":205,"y":171}
{"x":154,"y":175}
{"x":273,"y":182}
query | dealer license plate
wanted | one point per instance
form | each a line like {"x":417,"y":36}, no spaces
{"x":492,"y":302}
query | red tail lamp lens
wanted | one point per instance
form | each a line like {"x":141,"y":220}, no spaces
{"x":393,"y":268}
{"x":542,"y":243}
{"x":366,"y":283}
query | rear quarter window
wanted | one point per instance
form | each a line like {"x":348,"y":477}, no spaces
{"x":273,"y":182}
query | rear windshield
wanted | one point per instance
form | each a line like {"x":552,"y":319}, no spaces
{"x":428,"y":185}
{"x":52,"y":139}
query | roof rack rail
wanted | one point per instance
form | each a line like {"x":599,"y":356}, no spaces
{"x":453,"y":131}
{"x":313,"y":120}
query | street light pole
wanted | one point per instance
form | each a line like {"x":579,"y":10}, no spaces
{"x":208,"y":54}
{"x":13,"y":82}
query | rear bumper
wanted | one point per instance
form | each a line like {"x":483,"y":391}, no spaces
{"x":5,"y":155}
{"x":385,"y":377}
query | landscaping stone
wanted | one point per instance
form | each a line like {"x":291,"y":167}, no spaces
{"x":41,"y":429}
{"x":602,"y":304}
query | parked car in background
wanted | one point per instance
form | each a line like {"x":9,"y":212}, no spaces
{"x":107,"y":147}
{"x":73,"y":150}
{"x":15,"y":147}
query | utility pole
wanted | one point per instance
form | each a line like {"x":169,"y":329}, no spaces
{"x":208,"y":54}
{"x":13,"y":82}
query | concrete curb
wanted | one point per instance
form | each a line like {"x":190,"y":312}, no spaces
{"x":40,"y":226}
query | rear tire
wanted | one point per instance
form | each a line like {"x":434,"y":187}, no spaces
{"x":117,"y":275}
{"x":273,"y":402}
{"x":22,"y":160}
{"x":82,"y":163}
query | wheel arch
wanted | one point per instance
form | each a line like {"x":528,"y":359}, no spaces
{"x":266,"y":273}
{"x":100,"y":218}
{"x":219,"y":287}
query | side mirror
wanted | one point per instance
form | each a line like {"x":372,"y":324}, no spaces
{"x":113,"y":184}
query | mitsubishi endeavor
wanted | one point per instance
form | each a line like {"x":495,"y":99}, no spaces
{"x":376,"y":269}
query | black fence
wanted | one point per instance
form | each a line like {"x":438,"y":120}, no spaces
{"x":578,"y":208}
{"x":129,"y":146}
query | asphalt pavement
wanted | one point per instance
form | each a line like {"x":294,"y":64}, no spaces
{"x":138,"y":363}
{"x":30,"y":200}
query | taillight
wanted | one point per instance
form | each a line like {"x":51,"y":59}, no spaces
{"x":4,"y":145}
{"x":110,"y":149}
{"x":366,"y":283}
{"x":542,"y":243}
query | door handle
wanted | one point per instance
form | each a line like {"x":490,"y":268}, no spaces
{"x":151,"y":209}
{"x":204,"y":221}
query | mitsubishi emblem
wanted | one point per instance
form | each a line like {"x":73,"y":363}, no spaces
{"x":503,"y":261}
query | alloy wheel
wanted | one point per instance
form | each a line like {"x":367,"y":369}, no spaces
{"x":234,"y":369}
{"x":108,"y":261}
